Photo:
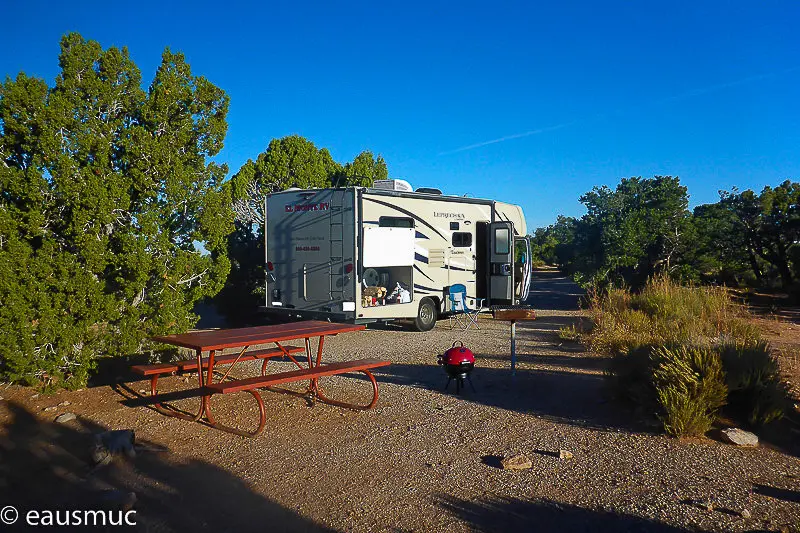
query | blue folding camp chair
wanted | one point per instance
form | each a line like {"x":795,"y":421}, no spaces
{"x":460,"y":312}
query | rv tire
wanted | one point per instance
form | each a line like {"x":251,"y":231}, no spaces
{"x":426,"y":315}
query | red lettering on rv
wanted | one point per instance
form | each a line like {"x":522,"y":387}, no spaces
{"x":301,"y":208}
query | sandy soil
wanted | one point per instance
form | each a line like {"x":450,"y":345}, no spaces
{"x":422,"y":460}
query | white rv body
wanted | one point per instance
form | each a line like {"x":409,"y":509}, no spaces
{"x":328,"y":251}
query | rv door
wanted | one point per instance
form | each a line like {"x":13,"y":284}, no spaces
{"x":501,"y":259}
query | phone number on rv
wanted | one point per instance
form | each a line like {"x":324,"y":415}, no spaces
{"x":306,"y":248}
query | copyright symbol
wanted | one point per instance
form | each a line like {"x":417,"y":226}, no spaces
{"x":8,"y":515}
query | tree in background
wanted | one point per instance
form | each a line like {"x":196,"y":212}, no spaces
{"x":631,"y":232}
{"x":555,"y":244}
{"x":643,"y":227}
{"x":106,"y":192}
{"x":292,"y":161}
{"x":719,"y":251}
{"x":769,"y":224}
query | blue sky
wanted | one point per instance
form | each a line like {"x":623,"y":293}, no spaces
{"x":522,"y":102}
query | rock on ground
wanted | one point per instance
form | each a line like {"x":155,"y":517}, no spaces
{"x":66,"y":417}
{"x":739,"y":437}
{"x":516,"y":462}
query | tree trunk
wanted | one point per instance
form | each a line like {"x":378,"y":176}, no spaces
{"x":754,"y":266}
{"x":783,"y":266}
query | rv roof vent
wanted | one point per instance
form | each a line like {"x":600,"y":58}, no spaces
{"x":429,"y":190}
{"x":392,"y":185}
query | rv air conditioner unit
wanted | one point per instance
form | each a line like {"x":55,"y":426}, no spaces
{"x":392,"y":185}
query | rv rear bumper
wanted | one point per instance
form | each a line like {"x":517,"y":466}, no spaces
{"x":305,"y":314}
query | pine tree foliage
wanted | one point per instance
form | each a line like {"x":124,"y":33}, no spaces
{"x":106,"y":192}
{"x":291,"y":161}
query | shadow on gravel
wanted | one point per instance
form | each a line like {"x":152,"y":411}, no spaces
{"x":779,"y":494}
{"x":45,"y":465}
{"x":548,"y":324}
{"x":491,"y":514}
{"x":568,"y":397}
{"x":585,"y":362}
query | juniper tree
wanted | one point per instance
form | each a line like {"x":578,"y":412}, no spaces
{"x":106,"y":193}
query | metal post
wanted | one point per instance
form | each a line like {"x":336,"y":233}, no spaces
{"x":513,"y":348}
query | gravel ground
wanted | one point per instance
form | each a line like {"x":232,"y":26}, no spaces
{"x":422,"y":460}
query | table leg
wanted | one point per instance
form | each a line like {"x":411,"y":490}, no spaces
{"x":319,"y":349}
{"x":209,"y":379}
{"x":513,"y":348}
{"x":315,"y":390}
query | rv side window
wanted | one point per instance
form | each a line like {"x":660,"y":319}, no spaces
{"x":462,"y":239}
{"x":396,"y":222}
{"x":501,"y":244}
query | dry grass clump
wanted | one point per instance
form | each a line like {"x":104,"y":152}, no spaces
{"x":683,"y":353}
{"x":666,"y":313}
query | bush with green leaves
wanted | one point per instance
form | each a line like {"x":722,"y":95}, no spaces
{"x":690,"y":386}
{"x":108,"y":198}
{"x":685,"y":386}
{"x":757,"y":393}
{"x":676,"y":348}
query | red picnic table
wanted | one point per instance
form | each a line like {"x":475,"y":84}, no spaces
{"x":243,"y":338}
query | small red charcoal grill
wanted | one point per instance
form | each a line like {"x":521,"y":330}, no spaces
{"x":458,"y":362}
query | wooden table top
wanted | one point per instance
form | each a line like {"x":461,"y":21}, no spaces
{"x":514,"y":314}
{"x":232,"y":338}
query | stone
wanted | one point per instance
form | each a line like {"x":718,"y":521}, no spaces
{"x":51,"y":408}
{"x":565,"y":455}
{"x":739,"y":437}
{"x":1,"y":398}
{"x":142,"y":391}
{"x":64,"y":403}
{"x":33,"y":397}
{"x":66,"y":417}
{"x":110,"y":443}
{"x":516,"y":462}
{"x":746,"y":514}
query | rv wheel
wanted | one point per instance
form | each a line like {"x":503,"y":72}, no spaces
{"x":426,"y":316}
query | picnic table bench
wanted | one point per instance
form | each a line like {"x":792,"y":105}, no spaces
{"x":243,"y":339}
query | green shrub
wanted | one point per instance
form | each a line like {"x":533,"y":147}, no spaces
{"x":690,"y":387}
{"x":631,"y":377}
{"x":106,"y":190}
{"x":757,"y":392}
{"x":569,"y":333}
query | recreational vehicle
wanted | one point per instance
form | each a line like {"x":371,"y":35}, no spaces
{"x":362,"y":255}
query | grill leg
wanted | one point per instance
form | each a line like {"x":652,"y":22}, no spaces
{"x":448,"y":383}
{"x":469,"y":378}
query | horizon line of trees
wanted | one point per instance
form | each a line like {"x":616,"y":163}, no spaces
{"x":644,"y":227}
